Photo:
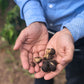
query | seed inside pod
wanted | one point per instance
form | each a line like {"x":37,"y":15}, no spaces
{"x":45,"y":66}
{"x":50,"y":51}
{"x":32,"y":64}
{"x":50,"y":56}
{"x":37,"y":59}
{"x":54,"y":61}
{"x":52,"y":65}
{"x":45,"y":56}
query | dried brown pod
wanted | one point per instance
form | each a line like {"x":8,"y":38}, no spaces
{"x":48,"y":63}
{"x":45,"y":66}
{"x":50,"y":57}
{"x":32,"y":64}
{"x":50,"y":51}
{"x":37,"y":59}
{"x":52,"y":65}
{"x":54,"y":61}
{"x":47,"y":56}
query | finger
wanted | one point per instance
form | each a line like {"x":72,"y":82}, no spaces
{"x":31,"y":69}
{"x":68,"y":56}
{"x":58,"y":58}
{"x":39,"y":74}
{"x":66,"y":53}
{"x":19,"y":41}
{"x":24,"y":58}
{"x":51,"y":75}
{"x":37,"y":66}
{"x":41,"y":54}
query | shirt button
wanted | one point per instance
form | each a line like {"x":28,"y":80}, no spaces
{"x":51,"y":24}
{"x":50,"y":6}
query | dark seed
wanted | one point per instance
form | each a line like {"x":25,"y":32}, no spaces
{"x":48,"y":57}
{"x":45,"y":66}
{"x":53,"y":68}
{"x":45,"y":57}
{"x":52,"y":65}
{"x":46,"y":62}
{"x":32,"y":64}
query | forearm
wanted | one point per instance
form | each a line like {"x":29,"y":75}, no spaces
{"x":31,"y":11}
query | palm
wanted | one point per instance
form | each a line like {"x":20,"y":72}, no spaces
{"x":35,"y":40}
{"x":33,"y":44}
{"x":62,"y":42}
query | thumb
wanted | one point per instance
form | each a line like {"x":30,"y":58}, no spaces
{"x":68,"y":57}
{"x":20,"y":40}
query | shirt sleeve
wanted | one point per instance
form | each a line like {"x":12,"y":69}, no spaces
{"x":76,"y":26}
{"x":31,"y":11}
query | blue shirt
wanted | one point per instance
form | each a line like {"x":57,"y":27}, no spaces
{"x":55,"y":13}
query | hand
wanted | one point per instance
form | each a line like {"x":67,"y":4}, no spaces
{"x":63,"y":44}
{"x":32,"y":42}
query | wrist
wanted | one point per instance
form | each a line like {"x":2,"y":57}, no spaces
{"x":39,"y":26}
{"x":37,"y":23}
{"x":65,"y":30}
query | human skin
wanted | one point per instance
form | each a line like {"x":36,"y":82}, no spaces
{"x":32,"y":43}
{"x":63,"y":44}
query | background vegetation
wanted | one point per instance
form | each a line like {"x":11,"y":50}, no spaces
{"x":13,"y":24}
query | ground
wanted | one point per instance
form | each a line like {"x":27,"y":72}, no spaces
{"x":11,"y":71}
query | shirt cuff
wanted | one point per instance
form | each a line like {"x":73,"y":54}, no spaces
{"x":75,"y":34}
{"x":33,"y":13}
{"x":76,"y":27}
{"x":32,"y":19}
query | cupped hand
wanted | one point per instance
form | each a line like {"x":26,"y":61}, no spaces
{"x":32,"y":42}
{"x":63,"y":44}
